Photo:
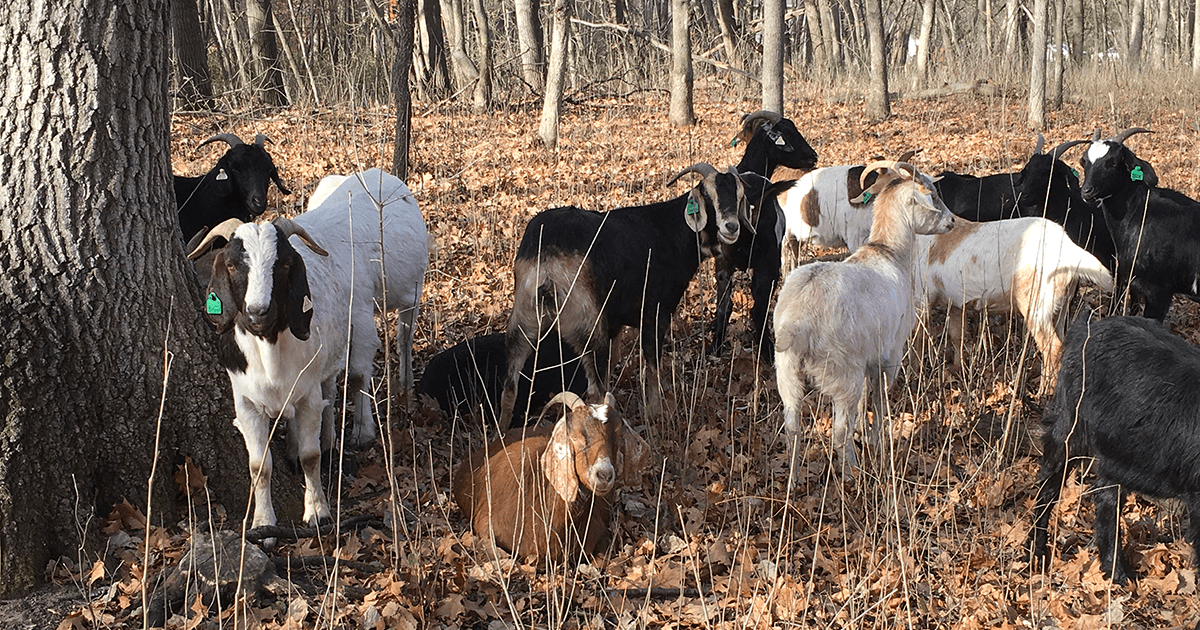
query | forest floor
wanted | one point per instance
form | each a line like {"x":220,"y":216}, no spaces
{"x":932,"y":532}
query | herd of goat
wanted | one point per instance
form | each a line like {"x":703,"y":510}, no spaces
{"x":291,"y":320}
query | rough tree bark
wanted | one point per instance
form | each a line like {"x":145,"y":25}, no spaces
{"x":483,"y":89}
{"x":928,"y":8}
{"x":191,"y":57}
{"x":90,"y":258}
{"x":878,"y":106}
{"x":454,"y":18}
{"x":403,"y":36}
{"x":681,"y":113}
{"x":829,"y":36}
{"x":556,"y":75}
{"x":1037,"y":67}
{"x":1075,"y":31}
{"x":529,"y":37}
{"x":1196,"y":41}
{"x":772,"y":65}
{"x":264,"y":48}
{"x":430,"y":57}
{"x":1057,"y":57}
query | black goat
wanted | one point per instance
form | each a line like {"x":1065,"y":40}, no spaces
{"x":1047,"y":187}
{"x":587,"y":274}
{"x":1156,"y":231}
{"x":1127,"y":399}
{"x":989,"y":198}
{"x":771,"y":141}
{"x":236,"y":188}
{"x":470,"y":375}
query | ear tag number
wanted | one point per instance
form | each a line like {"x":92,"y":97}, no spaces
{"x":734,"y":142}
{"x":692,"y":208}
{"x":306,"y":305}
{"x":221,"y":174}
{"x":1075,"y":173}
{"x":1136,"y":174}
{"x":866,"y":197}
{"x":212,"y":305}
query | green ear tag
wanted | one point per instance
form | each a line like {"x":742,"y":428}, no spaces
{"x":1075,"y":173}
{"x":1136,"y":174}
{"x":866,"y":197}
{"x":734,"y":143}
{"x":692,"y":207}
{"x":212,"y":305}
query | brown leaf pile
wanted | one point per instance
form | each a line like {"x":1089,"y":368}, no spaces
{"x":930,"y":535}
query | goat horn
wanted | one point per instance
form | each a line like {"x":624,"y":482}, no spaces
{"x":1096,"y":135}
{"x":908,"y":155}
{"x":570,"y":399}
{"x":892,"y":165}
{"x":1041,"y":142}
{"x":703,"y":168}
{"x":1124,"y":135}
{"x":228,"y":138}
{"x":1062,"y":148}
{"x":224,"y":230}
{"x":289,"y":227}
{"x":260,"y":139}
{"x":750,"y":122}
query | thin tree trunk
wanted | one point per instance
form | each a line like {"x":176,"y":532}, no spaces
{"x":1160,"y":34}
{"x":730,"y":37}
{"x":454,"y":18}
{"x":434,"y":75}
{"x":1012,"y":31}
{"x":829,"y":35}
{"x":556,"y":74}
{"x":812,"y":17}
{"x":191,"y":56}
{"x":1075,"y":31}
{"x":878,"y":106}
{"x":400,"y":89}
{"x":680,"y":113}
{"x":291,"y":60}
{"x":1196,"y":40}
{"x":1136,"y":26}
{"x":529,"y":37}
{"x":928,"y":8}
{"x":772,"y":65}
{"x":1058,"y":57}
{"x":93,"y":287}
{"x":264,"y":48}
{"x":483,"y":88}
{"x":1037,"y":67}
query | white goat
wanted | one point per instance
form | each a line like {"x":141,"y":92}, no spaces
{"x":1025,"y":265}
{"x":291,"y":321}
{"x":840,"y":323}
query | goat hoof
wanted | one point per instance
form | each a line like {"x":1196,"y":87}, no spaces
{"x":268,"y":544}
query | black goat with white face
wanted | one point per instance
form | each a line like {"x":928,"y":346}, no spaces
{"x":1156,"y":231}
{"x":235,"y":188}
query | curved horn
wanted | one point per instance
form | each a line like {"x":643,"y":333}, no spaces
{"x":1062,"y":148}
{"x":228,"y":138}
{"x":893,"y":165}
{"x":570,"y":399}
{"x":289,"y":227}
{"x":1096,"y":135}
{"x":225,"y":230}
{"x":1041,"y":142}
{"x":703,"y":168}
{"x":260,"y":139}
{"x":1124,"y":135}
{"x":908,"y":155}
{"x":751,"y":121}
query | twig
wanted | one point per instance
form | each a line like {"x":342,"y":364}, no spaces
{"x":306,"y":562}
{"x":656,"y":592}
{"x":663,"y":47}
{"x":283,"y":532}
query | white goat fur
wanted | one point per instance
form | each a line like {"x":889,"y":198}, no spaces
{"x":843,"y":323}
{"x":298,"y":379}
{"x":1026,"y":265}
{"x":825,"y":192}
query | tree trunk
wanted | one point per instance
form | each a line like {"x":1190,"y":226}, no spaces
{"x":1058,"y":58}
{"x":1012,"y":31}
{"x":878,"y":106}
{"x":1160,"y":34}
{"x":556,"y":75}
{"x":1136,"y":26}
{"x":91,"y":258}
{"x":191,"y":56}
{"x":529,"y":37}
{"x":1075,"y":31}
{"x":1037,"y":67}
{"x":1196,"y":40}
{"x":264,"y":48}
{"x":928,"y":8}
{"x":812,"y":17}
{"x":400,"y":87}
{"x":730,"y":37}
{"x":434,"y":76}
{"x":454,"y":18}
{"x":829,"y":35}
{"x":483,"y":88}
{"x":681,"y":113}
{"x":772,"y":64}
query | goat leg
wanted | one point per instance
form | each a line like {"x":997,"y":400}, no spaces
{"x":1050,"y":480}
{"x":1108,"y":530}
{"x":724,"y":272}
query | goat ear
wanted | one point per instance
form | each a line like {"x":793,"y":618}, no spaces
{"x":873,"y":190}
{"x":694,"y":212}
{"x":220,"y":307}
{"x":631,"y":456}
{"x":279,"y":183}
{"x":1146,"y":172}
{"x":558,"y":462}
{"x":300,"y":306}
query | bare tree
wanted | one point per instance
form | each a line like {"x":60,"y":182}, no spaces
{"x":772,"y":66}
{"x":829,"y":34}
{"x":928,"y":8}
{"x":529,"y":37}
{"x":730,"y":38}
{"x":454,"y":18}
{"x":94,"y":286}
{"x":1075,"y":31}
{"x":429,"y":58}
{"x":1037,"y":67}
{"x":878,"y":106}
{"x":556,"y":75}
{"x":403,"y":37}
{"x":483,"y":88}
{"x":681,"y":112}
{"x":812,"y":18}
{"x":264,"y":48}
{"x":191,"y":57}
{"x":1137,"y":21}
{"x":1196,"y":40}
{"x":1160,"y":34}
{"x":1058,"y":57}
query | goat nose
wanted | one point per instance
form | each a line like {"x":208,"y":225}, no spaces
{"x":256,"y":310}
{"x":731,"y":227}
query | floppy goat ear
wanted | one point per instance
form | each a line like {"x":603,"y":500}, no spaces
{"x":300,"y":306}
{"x":220,"y":307}
{"x":874,"y":189}
{"x":558,"y":462}
{"x":694,"y":212}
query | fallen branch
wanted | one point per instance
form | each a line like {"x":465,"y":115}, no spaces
{"x":978,"y":88}
{"x":656,"y":592}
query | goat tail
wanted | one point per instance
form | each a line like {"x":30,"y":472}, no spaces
{"x":1085,"y":266}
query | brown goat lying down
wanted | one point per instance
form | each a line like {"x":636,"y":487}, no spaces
{"x":546,"y":492}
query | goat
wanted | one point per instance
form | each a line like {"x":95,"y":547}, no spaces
{"x":1126,"y":401}
{"x":547,"y":492}
{"x":470,"y":375}
{"x":839,"y":323}
{"x":586,"y":274}
{"x":1156,"y":230}
{"x":988,"y":198}
{"x":235,"y":188}
{"x":285,"y":319}
{"x":771,"y":141}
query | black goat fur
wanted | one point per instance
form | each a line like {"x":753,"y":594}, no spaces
{"x":235,"y":188}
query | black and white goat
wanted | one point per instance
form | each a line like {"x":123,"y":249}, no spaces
{"x":236,"y":188}
{"x":1126,"y":401}
{"x":771,"y":141}
{"x":587,"y":274}
{"x":291,"y":320}
{"x":1156,"y":230}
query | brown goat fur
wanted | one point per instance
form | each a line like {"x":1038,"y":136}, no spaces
{"x":546,"y":492}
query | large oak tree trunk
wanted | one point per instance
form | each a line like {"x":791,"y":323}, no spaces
{"x":191,"y":58}
{"x":92,"y":281}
